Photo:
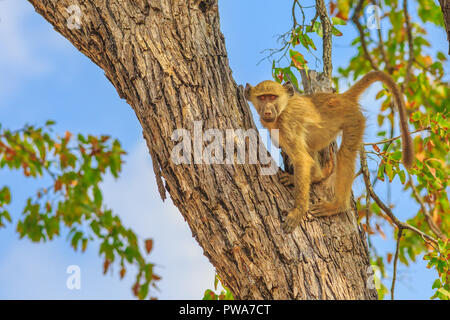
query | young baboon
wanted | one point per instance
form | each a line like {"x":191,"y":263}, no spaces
{"x":309,"y":123}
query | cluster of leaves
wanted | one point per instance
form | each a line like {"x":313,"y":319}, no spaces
{"x":73,"y":199}
{"x":223,"y":295}
{"x":420,"y":74}
{"x":301,"y":36}
{"x":431,"y":169}
{"x":439,"y":259}
{"x":432,"y":152}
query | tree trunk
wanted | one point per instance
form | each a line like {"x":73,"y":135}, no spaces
{"x":445,"y":6}
{"x":167,"y":58}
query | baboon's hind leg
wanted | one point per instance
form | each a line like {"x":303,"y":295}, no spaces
{"x":351,"y":141}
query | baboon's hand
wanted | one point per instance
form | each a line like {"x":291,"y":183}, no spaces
{"x":286,"y":179}
{"x":293,"y":220}
{"x":325,"y":209}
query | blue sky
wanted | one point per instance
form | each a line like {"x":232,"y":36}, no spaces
{"x":42,"y":76}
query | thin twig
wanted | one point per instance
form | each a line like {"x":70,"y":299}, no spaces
{"x":423,"y":67}
{"x":285,"y":40}
{"x":381,"y":44}
{"x":395,"y":138}
{"x":410,"y":46}
{"x":394,"y":276}
{"x":355,"y":19}
{"x":327,"y":38}
{"x":294,"y":19}
{"x":313,"y":21}
{"x":368,"y":218}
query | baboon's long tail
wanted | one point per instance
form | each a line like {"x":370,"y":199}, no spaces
{"x":360,"y":86}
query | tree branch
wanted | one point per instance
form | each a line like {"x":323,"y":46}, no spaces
{"x":384,"y":207}
{"x":394,"y":276}
{"x":327,"y":38}
{"x":408,"y":73}
{"x":445,"y":6}
{"x":381,"y":45}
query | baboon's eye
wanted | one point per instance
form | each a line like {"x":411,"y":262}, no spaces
{"x":263,"y":97}
{"x":272,"y":97}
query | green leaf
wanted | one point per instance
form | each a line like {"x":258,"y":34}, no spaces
{"x":441,"y":56}
{"x":292,"y":77}
{"x":380,"y":174}
{"x":344,"y":8}
{"x":306,"y":41}
{"x":143,"y":291}
{"x":98,"y":198}
{"x":389,"y":171}
{"x":444,"y":292}
{"x":380,"y":94}
{"x":338,"y":21}
{"x":402,"y":176}
{"x":397,"y":155}
{"x":209,"y":295}
{"x":216,"y":281}
{"x":297,"y":59}
{"x":76,"y":238}
{"x":336,"y":32}
{"x":318,"y":28}
{"x":436,"y":284}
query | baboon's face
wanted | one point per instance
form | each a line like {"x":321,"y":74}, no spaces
{"x":269,"y":98}
{"x":268,"y":107}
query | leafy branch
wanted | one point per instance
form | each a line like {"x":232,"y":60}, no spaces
{"x":73,"y":199}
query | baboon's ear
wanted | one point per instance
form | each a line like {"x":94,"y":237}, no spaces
{"x":289,"y":88}
{"x":247,"y":91}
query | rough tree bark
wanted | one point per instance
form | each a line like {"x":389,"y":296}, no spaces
{"x":445,"y":6}
{"x":167,"y":58}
